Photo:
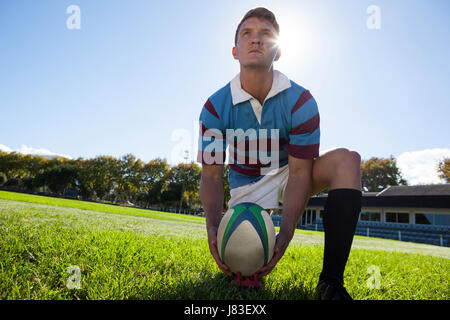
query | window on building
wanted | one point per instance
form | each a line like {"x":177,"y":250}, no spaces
{"x":422,"y":218}
{"x":375,"y":216}
{"x":440,"y":219}
{"x":313,"y":216}
{"x":397,"y":217}
{"x":403,"y":217}
{"x":321,"y":214}
{"x":370,"y":216}
{"x":391,"y":217}
{"x":364,"y":216}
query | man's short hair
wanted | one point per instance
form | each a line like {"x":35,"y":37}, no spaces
{"x":261,"y":13}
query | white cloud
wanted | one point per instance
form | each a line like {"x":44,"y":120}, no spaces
{"x":33,"y":151}
{"x":5,"y":148}
{"x":420,"y":167}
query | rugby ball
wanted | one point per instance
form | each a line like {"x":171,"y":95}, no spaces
{"x":245,"y":238}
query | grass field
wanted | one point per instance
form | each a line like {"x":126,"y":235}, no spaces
{"x":127,"y":253}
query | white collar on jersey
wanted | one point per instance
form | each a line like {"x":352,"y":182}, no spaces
{"x":280,"y":83}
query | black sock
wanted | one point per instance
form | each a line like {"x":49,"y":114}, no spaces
{"x":339,"y":221}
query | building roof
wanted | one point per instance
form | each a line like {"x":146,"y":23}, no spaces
{"x":425,"y":196}
{"x":423,"y":190}
{"x":370,"y":194}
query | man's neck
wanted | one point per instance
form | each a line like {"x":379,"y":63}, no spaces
{"x":257,"y":82}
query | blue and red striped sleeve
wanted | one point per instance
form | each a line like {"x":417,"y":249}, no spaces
{"x":211,"y":140}
{"x":304,"y":135}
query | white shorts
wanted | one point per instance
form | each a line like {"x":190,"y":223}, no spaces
{"x":267,"y":192}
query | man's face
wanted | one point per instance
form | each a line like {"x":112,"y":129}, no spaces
{"x":256,"y":44}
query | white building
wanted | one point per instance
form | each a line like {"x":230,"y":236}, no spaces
{"x":408,"y":213}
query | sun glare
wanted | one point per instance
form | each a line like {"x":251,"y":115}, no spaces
{"x":295,"y":41}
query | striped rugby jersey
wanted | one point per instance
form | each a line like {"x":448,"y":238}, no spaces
{"x":259,"y":138}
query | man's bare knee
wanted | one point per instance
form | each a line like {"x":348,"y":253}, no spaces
{"x":347,"y":170}
{"x":345,"y":157}
{"x":338,"y":168}
{"x":354,"y":158}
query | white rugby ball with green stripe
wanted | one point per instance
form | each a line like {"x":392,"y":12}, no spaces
{"x":245,"y":238}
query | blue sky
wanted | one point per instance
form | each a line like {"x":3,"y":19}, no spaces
{"x":135,"y":76}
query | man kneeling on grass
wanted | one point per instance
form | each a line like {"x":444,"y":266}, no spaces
{"x":283,"y":117}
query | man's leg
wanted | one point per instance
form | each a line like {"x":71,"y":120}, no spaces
{"x":339,"y":171}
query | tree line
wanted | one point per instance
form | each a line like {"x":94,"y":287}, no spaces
{"x":121,"y":180}
{"x":128,"y":180}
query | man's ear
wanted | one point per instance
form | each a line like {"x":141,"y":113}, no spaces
{"x":278,"y":54}
{"x":234,"y":51}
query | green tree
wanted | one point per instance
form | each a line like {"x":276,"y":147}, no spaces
{"x":86,"y":173}
{"x":154,"y":177}
{"x":60,"y":177}
{"x":378,"y":174}
{"x":35,"y":164}
{"x":182,"y":180}
{"x":103,"y":175}
{"x":128,"y":179}
{"x":13,"y":165}
{"x":3,"y":179}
